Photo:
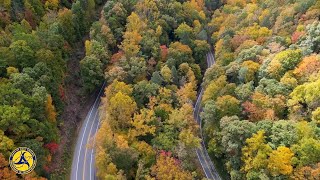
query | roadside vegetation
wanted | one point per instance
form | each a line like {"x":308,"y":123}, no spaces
{"x":36,"y":40}
{"x":261,"y":100}
{"x":151,"y":54}
{"x":261,"y":103}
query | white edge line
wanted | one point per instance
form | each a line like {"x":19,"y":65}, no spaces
{"x":94,"y":142}
{"x":201,"y":164}
{"x":89,"y":139}
{"x":85,"y":130}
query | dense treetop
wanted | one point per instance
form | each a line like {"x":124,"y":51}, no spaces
{"x":154,"y":54}
{"x":36,"y":38}
{"x":261,"y":102}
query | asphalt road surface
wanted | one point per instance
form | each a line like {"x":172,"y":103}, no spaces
{"x":83,"y":164}
{"x":204,"y":159}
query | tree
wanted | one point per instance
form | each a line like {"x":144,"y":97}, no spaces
{"x":144,"y":90}
{"x":250,"y":53}
{"x":283,"y":133}
{"x":163,"y":52}
{"x":304,"y":96}
{"x":166,"y":73}
{"x":5,"y":171}
{"x":316,"y":115}
{"x":14,"y":118}
{"x":156,"y":78}
{"x":124,"y":159}
{"x":272,"y":87}
{"x":216,"y":88}
{"x":135,"y":68}
{"x":182,"y":118}
{"x":23,"y":82}
{"x":307,"y":172}
{"x":308,"y":66}
{"x":121,"y":108}
{"x":311,"y":42}
{"x":50,"y":110}
{"x":52,"y":4}
{"x":147,"y":152}
{"x":134,"y":23}
{"x":212,"y":73}
{"x":233,"y":135}
{"x":91,"y":72}
{"x":104,"y":142}
{"x":6,"y":3}
{"x":23,"y":54}
{"x":101,"y":32}
{"x":41,"y":153}
{"x":280,"y":161}
{"x":307,"y":152}
{"x":175,"y":76}
{"x":227,"y":106}
{"x":98,"y":50}
{"x":282,"y":62}
{"x":79,"y":20}
{"x":6,"y":58}
{"x":187,"y":93}
{"x":179,"y":53}
{"x":255,"y":153}
{"x":265,"y":107}
{"x":244,"y":91}
{"x":248,"y":71}
{"x":200,"y":50}
{"x":148,"y":9}
{"x":185,"y":34}
{"x":6,"y":145}
{"x":208,"y":115}
{"x":142,"y":124}
{"x":150,"y":45}
{"x":115,"y":14}
{"x":115,"y":73}
{"x":189,"y":139}
{"x":257,"y":31}
{"x":167,"y":139}
{"x":118,"y":86}
{"x":130,"y":45}
{"x":168,"y":168}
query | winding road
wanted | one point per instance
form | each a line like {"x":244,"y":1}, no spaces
{"x":83,"y":164}
{"x":203,"y":156}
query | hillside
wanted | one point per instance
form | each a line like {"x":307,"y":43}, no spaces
{"x":260,"y":107}
{"x":38,"y":40}
{"x":261,"y":103}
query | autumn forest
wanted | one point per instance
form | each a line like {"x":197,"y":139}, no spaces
{"x":260,"y":104}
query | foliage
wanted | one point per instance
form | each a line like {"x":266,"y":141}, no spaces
{"x":266,"y":77}
{"x":36,"y":38}
{"x":168,"y":168}
{"x":91,"y":72}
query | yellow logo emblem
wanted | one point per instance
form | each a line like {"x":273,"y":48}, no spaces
{"x":22,"y":160}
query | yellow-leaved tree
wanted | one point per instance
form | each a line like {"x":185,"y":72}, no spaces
{"x":255,"y":153}
{"x":141,"y":124}
{"x":168,"y":168}
{"x":120,"y":110}
{"x":50,"y":110}
{"x":280,"y":161}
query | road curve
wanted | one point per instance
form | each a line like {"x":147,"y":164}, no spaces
{"x":83,"y":164}
{"x":202,"y":154}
